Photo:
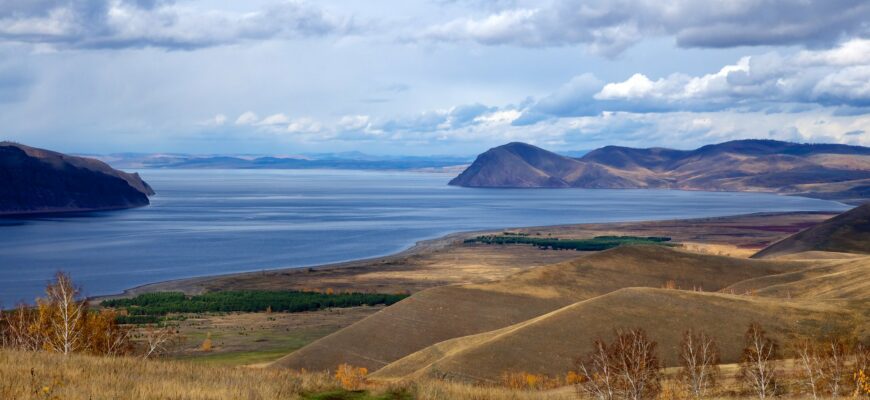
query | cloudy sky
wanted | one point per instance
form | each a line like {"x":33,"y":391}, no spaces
{"x":429,"y":76}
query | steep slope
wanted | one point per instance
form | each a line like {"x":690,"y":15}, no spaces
{"x":38,"y":181}
{"x":443,"y":313}
{"x":817,"y":170}
{"x":550,"y":343}
{"x":848,"y":232}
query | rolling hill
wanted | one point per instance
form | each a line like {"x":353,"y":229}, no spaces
{"x":848,"y":232}
{"x":34,"y":180}
{"x":830,"y":171}
{"x":448,"y":312}
{"x":549,"y":344}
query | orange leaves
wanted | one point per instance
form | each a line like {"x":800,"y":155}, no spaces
{"x":206,"y":344}
{"x":350,"y":377}
{"x":63,"y":323}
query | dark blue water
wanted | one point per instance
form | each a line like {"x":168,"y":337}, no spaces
{"x":212,"y":222}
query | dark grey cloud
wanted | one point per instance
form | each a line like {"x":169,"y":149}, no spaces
{"x":159,"y":23}
{"x":610,"y":26}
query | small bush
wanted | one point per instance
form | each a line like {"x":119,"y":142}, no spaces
{"x":350,"y":377}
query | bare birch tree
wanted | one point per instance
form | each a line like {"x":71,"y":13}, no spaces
{"x":598,"y":379}
{"x":158,"y":340}
{"x":637,"y":364}
{"x":699,"y":357}
{"x":833,"y":365}
{"x":627,"y":368}
{"x":809,"y":366}
{"x":758,"y":363}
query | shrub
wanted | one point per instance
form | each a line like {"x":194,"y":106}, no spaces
{"x":350,"y":377}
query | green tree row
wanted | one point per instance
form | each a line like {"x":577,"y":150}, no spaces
{"x":597,"y":243}
{"x":162,"y":303}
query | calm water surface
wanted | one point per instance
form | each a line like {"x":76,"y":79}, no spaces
{"x":205,"y":222}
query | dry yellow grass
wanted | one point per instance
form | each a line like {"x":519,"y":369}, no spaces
{"x":27,"y":376}
{"x":80,"y":377}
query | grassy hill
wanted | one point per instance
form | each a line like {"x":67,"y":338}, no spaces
{"x":549,"y":344}
{"x":848,"y":232}
{"x":448,"y":312}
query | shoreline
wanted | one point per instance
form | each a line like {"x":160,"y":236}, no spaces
{"x":427,"y":247}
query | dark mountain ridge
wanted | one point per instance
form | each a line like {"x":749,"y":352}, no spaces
{"x":830,"y":171}
{"x":34,"y":180}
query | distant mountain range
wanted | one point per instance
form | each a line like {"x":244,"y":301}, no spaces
{"x":828,"y":171}
{"x":34,"y":180}
{"x":347,"y":160}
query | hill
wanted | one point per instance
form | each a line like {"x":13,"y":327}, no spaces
{"x":830,"y":171}
{"x":34,"y":180}
{"x":550,"y":343}
{"x":848,"y":232}
{"x":448,"y":312}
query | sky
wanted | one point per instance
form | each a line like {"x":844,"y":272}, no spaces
{"x":427,"y":77}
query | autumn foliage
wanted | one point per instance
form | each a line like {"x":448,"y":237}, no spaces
{"x":350,"y":377}
{"x":62,"y":323}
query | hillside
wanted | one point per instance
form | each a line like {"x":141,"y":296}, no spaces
{"x":848,"y":232}
{"x":828,"y":171}
{"x":448,"y":312}
{"x":550,"y":343}
{"x":41,"y":181}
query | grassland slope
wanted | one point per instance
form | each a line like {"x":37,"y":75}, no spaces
{"x":848,"y":232}
{"x":444,"y":313}
{"x":550,"y":343}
